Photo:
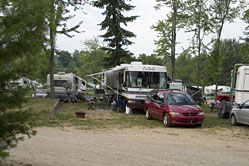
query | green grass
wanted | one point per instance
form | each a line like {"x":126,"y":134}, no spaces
{"x":211,"y":120}
{"x":65,"y":116}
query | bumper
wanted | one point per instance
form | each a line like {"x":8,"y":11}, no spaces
{"x":135,"y":104}
{"x":183,"y":120}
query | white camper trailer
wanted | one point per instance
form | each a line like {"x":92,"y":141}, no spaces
{"x":242,"y":84}
{"x":132,"y":82}
{"x":78,"y":85}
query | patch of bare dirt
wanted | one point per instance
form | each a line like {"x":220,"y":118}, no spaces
{"x":132,"y":146}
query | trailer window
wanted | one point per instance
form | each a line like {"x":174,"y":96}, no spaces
{"x":59,"y":82}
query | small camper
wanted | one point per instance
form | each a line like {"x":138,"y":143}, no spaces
{"x":77,"y":84}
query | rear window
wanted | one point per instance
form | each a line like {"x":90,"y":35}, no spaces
{"x":59,"y":82}
{"x":178,"y":99}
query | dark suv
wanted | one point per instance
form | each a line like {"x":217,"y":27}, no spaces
{"x":173,"y":107}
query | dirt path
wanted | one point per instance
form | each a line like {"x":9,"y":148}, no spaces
{"x":135,"y":146}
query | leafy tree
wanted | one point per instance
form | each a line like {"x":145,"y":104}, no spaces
{"x":91,"y":60}
{"x":64,"y":58}
{"x":185,"y":64}
{"x":168,"y":28}
{"x":246,"y":19}
{"x":223,"y":11}
{"x":230,"y":50}
{"x":116,"y":36}
{"x":22,"y":34}
{"x":153,"y":59}
{"x":57,"y":16}
{"x":198,"y":22}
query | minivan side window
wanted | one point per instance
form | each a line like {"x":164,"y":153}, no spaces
{"x":160,"y":98}
{"x":150,"y":95}
{"x":154,"y":96}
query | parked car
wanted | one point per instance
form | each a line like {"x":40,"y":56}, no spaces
{"x":224,"y":97}
{"x":40,"y":93}
{"x":173,"y":108}
{"x":240,"y":114}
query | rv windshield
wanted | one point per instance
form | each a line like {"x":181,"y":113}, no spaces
{"x":146,"y":79}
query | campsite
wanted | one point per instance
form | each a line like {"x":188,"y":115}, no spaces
{"x":107,"y":138}
{"x":121,"y":82}
{"x":90,"y":130}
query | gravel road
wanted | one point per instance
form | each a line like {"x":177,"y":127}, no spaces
{"x":133,"y":146}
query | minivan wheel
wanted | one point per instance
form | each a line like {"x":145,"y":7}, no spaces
{"x":198,"y":125}
{"x":166,"y":121}
{"x":147,"y":114}
{"x":234,"y":120}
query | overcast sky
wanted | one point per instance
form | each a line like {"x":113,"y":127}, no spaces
{"x":145,"y":36}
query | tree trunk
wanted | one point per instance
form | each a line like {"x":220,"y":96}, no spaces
{"x":199,"y":45}
{"x":173,"y":46}
{"x":52,"y":49}
{"x":218,"y":58}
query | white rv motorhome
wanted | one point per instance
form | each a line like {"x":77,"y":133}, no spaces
{"x":132,"y":82}
{"x":78,"y":85}
{"x":242,"y":84}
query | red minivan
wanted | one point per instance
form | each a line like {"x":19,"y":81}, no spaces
{"x":173,"y":108}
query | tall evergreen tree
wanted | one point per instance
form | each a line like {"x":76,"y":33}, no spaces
{"x":116,"y":36}
{"x":22,"y":34}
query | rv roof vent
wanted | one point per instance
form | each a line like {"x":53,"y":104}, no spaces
{"x":61,"y":73}
{"x":136,"y":63}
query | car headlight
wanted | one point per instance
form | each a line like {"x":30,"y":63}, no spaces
{"x":201,"y":113}
{"x":174,"y":113}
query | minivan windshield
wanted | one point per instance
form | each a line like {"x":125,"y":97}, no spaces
{"x":178,"y":99}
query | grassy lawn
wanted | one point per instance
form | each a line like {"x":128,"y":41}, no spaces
{"x":65,"y":116}
{"x":211,"y":120}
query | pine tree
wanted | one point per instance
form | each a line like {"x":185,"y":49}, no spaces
{"x":22,"y":34}
{"x":116,"y":36}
